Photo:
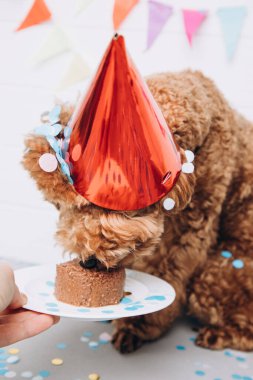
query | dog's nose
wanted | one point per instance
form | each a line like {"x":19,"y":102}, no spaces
{"x":90,"y":263}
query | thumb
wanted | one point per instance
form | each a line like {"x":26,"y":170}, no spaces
{"x":9,"y":293}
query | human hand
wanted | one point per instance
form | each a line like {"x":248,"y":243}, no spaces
{"x":16,"y":323}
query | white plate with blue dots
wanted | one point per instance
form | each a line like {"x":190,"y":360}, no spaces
{"x":146,"y":294}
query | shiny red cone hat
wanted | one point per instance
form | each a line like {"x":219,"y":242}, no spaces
{"x":122,"y":153}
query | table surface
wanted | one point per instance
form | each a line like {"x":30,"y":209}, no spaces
{"x":174,"y":357}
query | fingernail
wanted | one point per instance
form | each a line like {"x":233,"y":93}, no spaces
{"x":56,"y":319}
{"x":24,"y":299}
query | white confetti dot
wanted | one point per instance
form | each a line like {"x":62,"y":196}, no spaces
{"x":168,"y":204}
{"x":188,"y":168}
{"x":189,"y":155}
{"x":93,"y":344}
{"x":84,"y":339}
{"x":105,"y":337}
{"x":13,"y":359}
{"x":27,"y":374}
{"x":48,"y":162}
{"x":38,"y":378}
{"x":10,"y":374}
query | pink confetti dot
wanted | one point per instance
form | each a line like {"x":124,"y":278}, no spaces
{"x":76,"y":152}
{"x":48,"y":162}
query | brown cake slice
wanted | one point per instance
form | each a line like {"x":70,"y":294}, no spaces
{"x":92,"y":287}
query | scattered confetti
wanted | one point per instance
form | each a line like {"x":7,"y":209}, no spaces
{"x":57,"y":361}
{"x":189,"y":155}
{"x":48,"y":162}
{"x":188,"y":168}
{"x":93,"y":376}
{"x":238,"y":264}
{"x":168,"y":204}
{"x":84,"y":339}
{"x":26,"y":374}
{"x":61,"y":346}
{"x":10,"y":374}
{"x":226,"y":254}
{"x":105,"y":337}
{"x":180,"y":348}
{"x":94,"y":345}
{"x":200,"y":373}
{"x":13,"y":351}
{"x":13,"y":359}
{"x":44,"y":373}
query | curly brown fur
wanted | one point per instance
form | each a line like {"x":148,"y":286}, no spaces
{"x":213,"y":211}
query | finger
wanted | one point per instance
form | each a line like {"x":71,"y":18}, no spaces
{"x":18,"y":300}
{"x":16,"y":331}
{"x":7,"y":285}
{"x":16,"y":316}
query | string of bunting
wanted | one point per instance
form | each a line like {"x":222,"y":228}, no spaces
{"x":231,"y":20}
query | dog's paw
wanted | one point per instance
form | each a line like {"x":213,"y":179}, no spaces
{"x":212,"y":338}
{"x":125,"y":341}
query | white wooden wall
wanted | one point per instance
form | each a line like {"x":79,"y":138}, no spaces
{"x":27,"y":222}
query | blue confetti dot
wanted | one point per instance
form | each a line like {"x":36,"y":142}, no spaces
{"x":50,"y":283}
{"x":155,"y":298}
{"x":240,"y":359}
{"x":180,"y":348}
{"x":3,"y":356}
{"x":2,"y":365}
{"x":200,"y":373}
{"x":217,"y":378}
{"x":228,"y":353}
{"x":52,"y":304}
{"x":54,"y":309}
{"x":236,"y":377}
{"x":192,"y":339}
{"x":44,"y":294}
{"x":238,"y":264}
{"x":44,"y":373}
{"x":93,"y":345}
{"x":61,"y":346}
{"x":3,"y":371}
{"x":88,"y":334}
{"x":226,"y":254}
{"x":1,"y":351}
{"x":246,"y":378}
{"x":83,"y":310}
{"x":107,"y":311}
{"x":126,"y":300}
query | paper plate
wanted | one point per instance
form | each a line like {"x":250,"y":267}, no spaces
{"x":148,"y":294}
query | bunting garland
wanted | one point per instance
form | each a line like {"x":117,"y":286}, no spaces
{"x":121,"y":10}
{"x":38,"y":13}
{"x":192,"y":21}
{"x":57,"y":42}
{"x":232,"y":19}
{"x":159,"y":14}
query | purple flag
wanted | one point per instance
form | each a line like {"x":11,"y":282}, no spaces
{"x":159,"y":14}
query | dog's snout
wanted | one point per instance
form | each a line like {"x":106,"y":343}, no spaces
{"x":90,"y":263}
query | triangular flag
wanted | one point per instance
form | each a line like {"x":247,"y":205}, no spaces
{"x":231,"y":19}
{"x":77,"y":71}
{"x":56,"y":43}
{"x":38,"y":13}
{"x":121,"y":10}
{"x":81,"y":5}
{"x":159,"y":14}
{"x":192,"y":21}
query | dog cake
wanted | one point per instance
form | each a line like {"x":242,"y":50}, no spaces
{"x":85,"y":284}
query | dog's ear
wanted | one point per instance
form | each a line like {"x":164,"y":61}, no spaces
{"x":181,"y":194}
{"x":54,"y":185}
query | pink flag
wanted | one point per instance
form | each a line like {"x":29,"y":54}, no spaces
{"x":159,"y":14}
{"x":192,"y":21}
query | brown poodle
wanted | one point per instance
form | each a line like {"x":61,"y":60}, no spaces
{"x":213,"y":212}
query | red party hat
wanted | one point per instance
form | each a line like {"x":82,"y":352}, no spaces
{"x":122,"y":152}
